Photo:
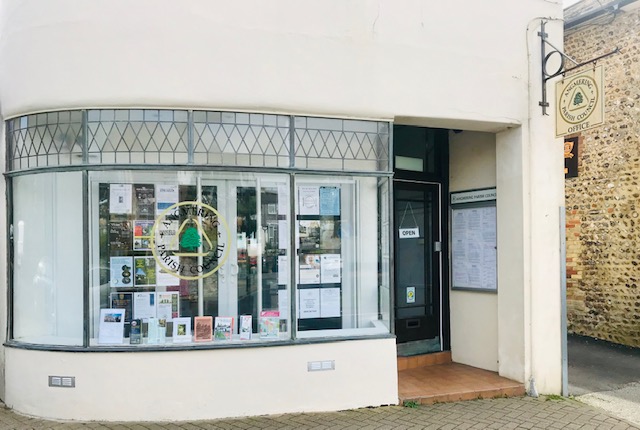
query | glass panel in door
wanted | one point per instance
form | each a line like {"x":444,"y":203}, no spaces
{"x":417,"y":280}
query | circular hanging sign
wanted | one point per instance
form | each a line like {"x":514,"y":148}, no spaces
{"x":580,"y":102}
{"x":579,"y":99}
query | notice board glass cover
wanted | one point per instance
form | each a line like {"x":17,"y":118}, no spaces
{"x":473,"y":245}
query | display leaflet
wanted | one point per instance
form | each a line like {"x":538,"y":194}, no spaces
{"x":111,"y":328}
{"x":308,"y":200}
{"x":329,"y":201}
{"x":144,"y":305}
{"x":120,"y":199}
{"x":121,"y":271}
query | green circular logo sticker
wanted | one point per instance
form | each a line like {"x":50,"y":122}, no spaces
{"x":190,"y":240}
{"x":579,"y":99}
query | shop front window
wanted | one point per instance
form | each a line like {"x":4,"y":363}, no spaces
{"x":153,"y":255}
{"x":184,"y":245}
{"x":48,"y":258}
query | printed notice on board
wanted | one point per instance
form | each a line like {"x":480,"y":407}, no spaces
{"x":329,"y":201}
{"x":308,"y":200}
{"x":473,"y":248}
{"x":166,"y":196}
{"x":120,"y":198}
{"x":309,"y":303}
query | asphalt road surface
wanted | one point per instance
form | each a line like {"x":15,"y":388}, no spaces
{"x":605,"y":375}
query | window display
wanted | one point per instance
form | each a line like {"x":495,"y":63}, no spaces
{"x":170,"y":253}
{"x":276,"y":242}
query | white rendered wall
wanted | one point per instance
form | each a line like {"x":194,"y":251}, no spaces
{"x":374,"y":59}
{"x":195,"y":385}
{"x":474,"y":315}
{"x":456,"y":64}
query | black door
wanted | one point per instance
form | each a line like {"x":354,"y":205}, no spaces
{"x":417,"y":262}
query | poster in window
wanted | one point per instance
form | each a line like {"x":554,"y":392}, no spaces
{"x":120,"y":236}
{"x":330,"y":234}
{"x":144,"y":305}
{"x":309,"y":235}
{"x":144,"y":271}
{"x":283,"y":270}
{"x":283,"y":234}
{"x":283,"y":200}
{"x":309,"y":303}
{"x":308,"y":200}
{"x":283,"y":303}
{"x":142,"y":235}
{"x":164,"y":277}
{"x":120,"y":199}
{"x":122,"y":301}
{"x":168,"y":306}
{"x":144,"y":201}
{"x":167,"y":235}
{"x":121,"y":271}
{"x":309,"y":272}
{"x":111,"y":326}
{"x":330,"y":269}
{"x":330,"y":302}
{"x":166,"y":196}
{"x":330,"y":201}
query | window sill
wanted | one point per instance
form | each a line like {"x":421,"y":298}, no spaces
{"x":191,"y":346}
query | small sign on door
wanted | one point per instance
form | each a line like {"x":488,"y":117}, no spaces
{"x":411,"y":294}
{"x":409,"y":233}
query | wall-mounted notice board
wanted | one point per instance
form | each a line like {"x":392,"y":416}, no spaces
{"x":473,"y":240}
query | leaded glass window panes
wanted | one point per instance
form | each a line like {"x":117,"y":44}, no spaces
{"x":240,"y":139}
{"x":148,"y":136}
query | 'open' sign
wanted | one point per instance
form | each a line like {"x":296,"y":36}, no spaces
{"x":409,"y":233}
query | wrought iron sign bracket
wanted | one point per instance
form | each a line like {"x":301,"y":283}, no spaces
{"x":544,"y":40}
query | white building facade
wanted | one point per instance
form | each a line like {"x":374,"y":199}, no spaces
{"x":204,"y":202}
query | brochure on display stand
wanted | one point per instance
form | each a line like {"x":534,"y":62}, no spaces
{"x":135,"y":332}
{"x":203,"y":329}
{"x":223,"y":329}
{"x":111,"y":328}
{"x":181,"y":330}
{"x":269,"y":325}
{"x":246,"y":327}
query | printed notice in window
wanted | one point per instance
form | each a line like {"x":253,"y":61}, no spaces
{"x":473,"y":248}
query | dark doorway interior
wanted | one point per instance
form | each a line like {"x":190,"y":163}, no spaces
{"x":420,"y":184}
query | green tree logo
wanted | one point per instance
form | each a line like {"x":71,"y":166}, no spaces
{"x":578,"y":99}
{"x":191,"y":239}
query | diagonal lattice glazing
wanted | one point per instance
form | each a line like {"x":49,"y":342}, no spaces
{"x":45,"y":139}
{"x":182,"y":137}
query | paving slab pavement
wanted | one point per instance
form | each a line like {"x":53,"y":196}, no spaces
{"x":502,"y":413}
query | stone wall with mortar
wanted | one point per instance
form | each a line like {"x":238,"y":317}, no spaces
{"x":603,"y":202}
